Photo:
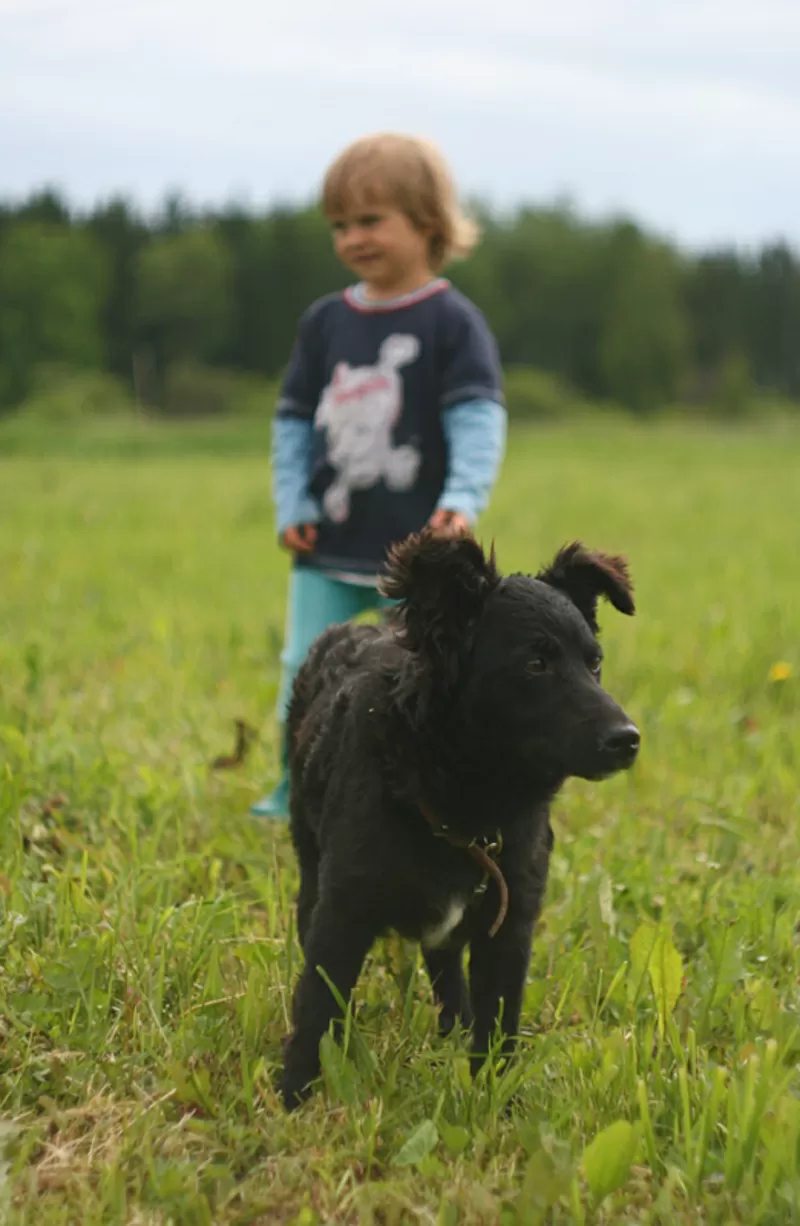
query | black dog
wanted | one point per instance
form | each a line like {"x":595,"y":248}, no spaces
{"x":424,"y":758}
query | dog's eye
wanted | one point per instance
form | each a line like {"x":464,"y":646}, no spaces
{"x":595,"y":666}
{"x":536,"y":666}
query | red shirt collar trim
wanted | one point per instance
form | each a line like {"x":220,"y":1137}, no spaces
{"x":395,"y":304}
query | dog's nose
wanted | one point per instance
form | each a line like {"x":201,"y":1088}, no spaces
{"x":622,"y":744}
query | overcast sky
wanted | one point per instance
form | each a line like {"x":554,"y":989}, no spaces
{"x":684,"y":114}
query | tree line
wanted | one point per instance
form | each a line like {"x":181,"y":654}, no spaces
{"x":604,"y":308}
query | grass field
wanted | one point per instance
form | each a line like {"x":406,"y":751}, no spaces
{"x":146,"y":940}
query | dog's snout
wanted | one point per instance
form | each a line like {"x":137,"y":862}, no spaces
{"x":622,"y":743}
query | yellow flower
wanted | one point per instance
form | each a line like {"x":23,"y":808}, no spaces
{"x":780,"y":671}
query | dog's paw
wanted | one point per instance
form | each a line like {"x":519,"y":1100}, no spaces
{"x":453,"y":1019}
{"x":446,"y":1023}
{"x":300,"y":1071}
{"x":293,"y":1093}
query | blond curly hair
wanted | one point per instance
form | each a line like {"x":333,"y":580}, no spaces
{"x":410,"y":174}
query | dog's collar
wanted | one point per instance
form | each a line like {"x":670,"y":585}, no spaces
{"x":481,"y":850}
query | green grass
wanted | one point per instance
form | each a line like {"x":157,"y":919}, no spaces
{"x":147,"y":952}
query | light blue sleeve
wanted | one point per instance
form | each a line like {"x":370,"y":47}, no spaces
{"x":291,"y":472}
{"x":476,"y":443}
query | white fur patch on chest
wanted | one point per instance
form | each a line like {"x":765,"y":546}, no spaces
{"x":438,"y":934}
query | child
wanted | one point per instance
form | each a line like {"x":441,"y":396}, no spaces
{"x":391,"y":412}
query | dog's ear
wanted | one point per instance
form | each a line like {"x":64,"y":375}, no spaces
{"x":584,"y":575}
{"x":441,"y":586}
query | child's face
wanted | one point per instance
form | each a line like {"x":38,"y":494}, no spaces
{"x":382,"y":247}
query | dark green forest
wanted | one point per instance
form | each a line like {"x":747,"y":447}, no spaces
{"x":179,"y":308}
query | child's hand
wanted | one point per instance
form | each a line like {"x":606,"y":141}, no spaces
{"x":447,"y":524}
{"x":300,"y":538}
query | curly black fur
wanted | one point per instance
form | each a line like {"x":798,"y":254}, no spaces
{"x":475,"y":704}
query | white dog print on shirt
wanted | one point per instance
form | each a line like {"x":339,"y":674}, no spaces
{"x":359,"y":409}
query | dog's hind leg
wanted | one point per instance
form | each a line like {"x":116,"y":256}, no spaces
{"x":307,"y":895}
{"x":449,"y":987}
{"x":337,"y":941}
{"x":305,"y":845}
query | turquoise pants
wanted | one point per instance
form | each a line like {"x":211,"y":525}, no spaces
{"x":315,"y":602}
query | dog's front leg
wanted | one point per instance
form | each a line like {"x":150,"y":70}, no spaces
{"x":498,"y":968}
{"x":449,"y":987}
{"x":338,"y":942}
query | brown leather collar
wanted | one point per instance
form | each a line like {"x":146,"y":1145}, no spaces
{"x":481,"y":853}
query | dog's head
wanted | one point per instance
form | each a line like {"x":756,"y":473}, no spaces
{"x":518,"y":657}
